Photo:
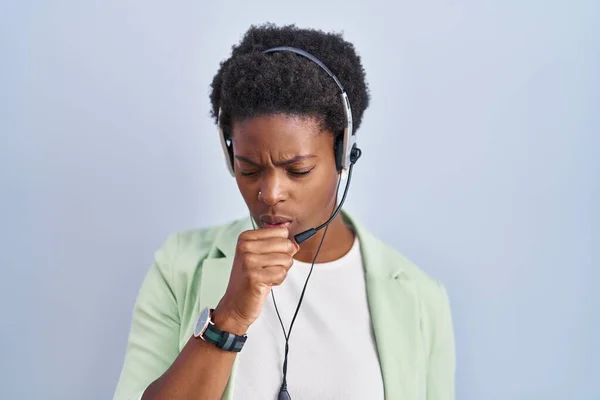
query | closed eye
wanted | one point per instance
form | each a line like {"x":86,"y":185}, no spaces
{"x":248,"y":173}
{"x":292,"y":172}
{"x":300,"y":173}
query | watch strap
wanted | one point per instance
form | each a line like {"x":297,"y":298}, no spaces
{"x":224,"y":340}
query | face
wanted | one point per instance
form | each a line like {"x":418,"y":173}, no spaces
{"x":290,"y":161}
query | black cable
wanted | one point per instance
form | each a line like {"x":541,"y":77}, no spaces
{"x":355,"y":155}
{"x":283,"y":393}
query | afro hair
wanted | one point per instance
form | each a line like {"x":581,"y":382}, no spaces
{"x":251,"y":83}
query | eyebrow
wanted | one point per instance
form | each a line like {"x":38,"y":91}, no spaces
{"x":280,"y":163}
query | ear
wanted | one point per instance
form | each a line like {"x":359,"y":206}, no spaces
{"x":338,"y":150}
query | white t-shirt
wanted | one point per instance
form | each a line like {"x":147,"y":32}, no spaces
{"x":332,"y":352}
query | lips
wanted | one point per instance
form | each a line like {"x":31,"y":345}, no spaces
{"x":275,"y":221}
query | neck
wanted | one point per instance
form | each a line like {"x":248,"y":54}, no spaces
{"x":337,"y":243}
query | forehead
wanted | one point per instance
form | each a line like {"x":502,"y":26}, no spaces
{"x":277,"y":130}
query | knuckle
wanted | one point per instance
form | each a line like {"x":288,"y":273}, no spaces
{"x":285,"y":259}
{"x":253,"y":277}
{"x":250,"y":259}
{"x":247,"y":233}
{"x":284,"y":244}
{"x":244,"y":246}
{"x":243,"y":236}
{"x":280,"y":276}
{"x":289,"y":262}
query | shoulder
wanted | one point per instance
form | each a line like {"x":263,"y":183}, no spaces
{"x":428,"y":286}
{"x":384,"y":262}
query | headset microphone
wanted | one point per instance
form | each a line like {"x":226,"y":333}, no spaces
{"x":307,"y":234}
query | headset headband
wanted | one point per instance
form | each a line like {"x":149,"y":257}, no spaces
{"x":310,"y":57}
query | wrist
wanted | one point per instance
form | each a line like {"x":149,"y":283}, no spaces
{"x":228,"y":322}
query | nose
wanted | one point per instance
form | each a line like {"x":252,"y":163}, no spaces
{"x":272,"y":190}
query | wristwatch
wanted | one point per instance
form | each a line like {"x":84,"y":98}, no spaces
{"x":206,"y":330}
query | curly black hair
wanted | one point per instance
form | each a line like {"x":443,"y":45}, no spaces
{"x":251,"y":83}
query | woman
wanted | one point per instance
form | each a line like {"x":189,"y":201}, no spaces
{"x":237,"y":311}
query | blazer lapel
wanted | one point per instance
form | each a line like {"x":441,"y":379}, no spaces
{"x":395,"y":318}
{"x":214,"y":280}
{"x":216,"y":268}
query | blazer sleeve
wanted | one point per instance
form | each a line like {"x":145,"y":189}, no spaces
{"x":152,"y":345}
{"x":442,"y":357}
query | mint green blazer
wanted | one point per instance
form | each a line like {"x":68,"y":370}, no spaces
{"x":410,"y":313}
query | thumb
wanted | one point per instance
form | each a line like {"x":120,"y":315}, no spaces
{"x":296,"y":245}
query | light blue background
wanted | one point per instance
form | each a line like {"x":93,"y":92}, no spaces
{"x":481,"y":164}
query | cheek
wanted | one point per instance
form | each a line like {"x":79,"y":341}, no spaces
{"x":324,"y":190}
{"x":245,"y":190}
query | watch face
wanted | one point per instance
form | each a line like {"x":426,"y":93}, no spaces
{"x":202,"y":322}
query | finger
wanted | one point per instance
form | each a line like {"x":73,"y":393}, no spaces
{"x":256,"y":261}
{"x":265,"y":233}
{"x":273,"y":275}
{"x":268,"y":245}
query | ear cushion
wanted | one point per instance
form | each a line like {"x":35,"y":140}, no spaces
{"x":230,"y":151}
{"x":338,"y":150}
